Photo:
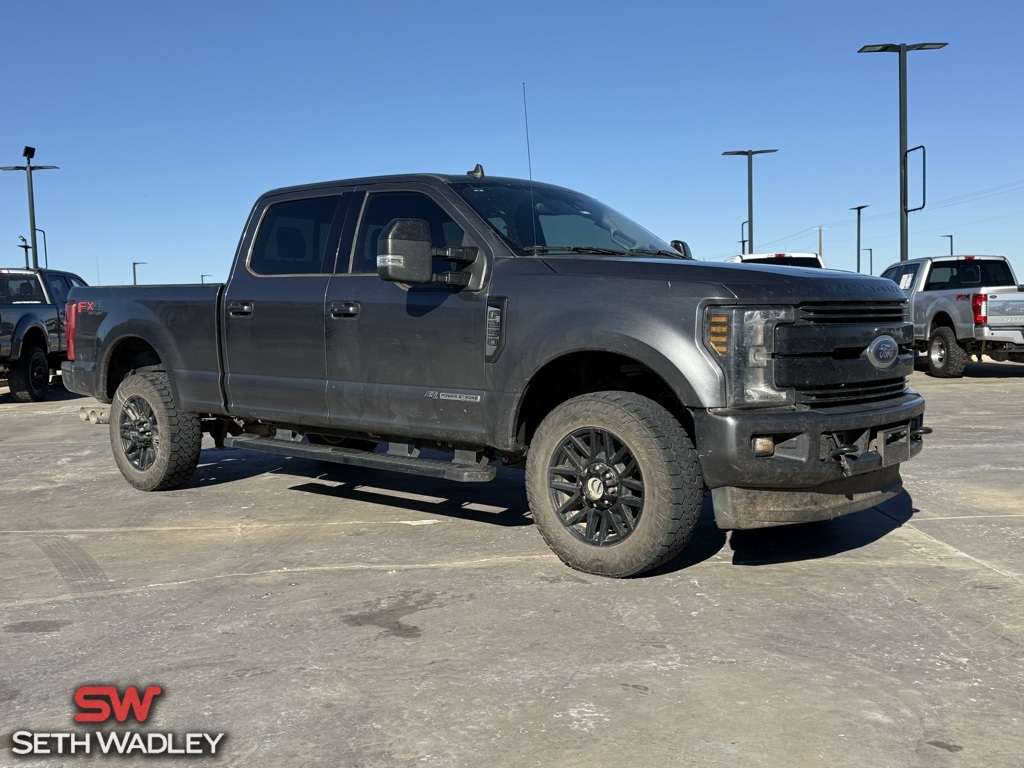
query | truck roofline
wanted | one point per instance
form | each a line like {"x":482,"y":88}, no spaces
{"x":444,"y":178}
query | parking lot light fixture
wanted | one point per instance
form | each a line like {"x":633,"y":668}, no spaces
{"x":135,"y":279}
{"x":750,"y":188}
{"x":902,"y":49}
{"x":871,"y":260}
{"x":858,"y":209}
{"x":28,"y":153}
{"x":950,"y":243}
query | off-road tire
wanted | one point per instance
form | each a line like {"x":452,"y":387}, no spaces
{"x":29,"y":376}
{"x":670,"y":483}
{"x":946,"y":358}
{"x":156,"y":445}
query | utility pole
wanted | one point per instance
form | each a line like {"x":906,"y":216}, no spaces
{"x":858,"y":209}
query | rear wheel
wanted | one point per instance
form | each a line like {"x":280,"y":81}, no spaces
{"x":155,"y":444}
{"x":614,"y":483}
{"x":29,"y":376}
{"x":946,"y":358}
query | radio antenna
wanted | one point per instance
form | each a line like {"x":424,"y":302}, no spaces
{"x":526,"y":120}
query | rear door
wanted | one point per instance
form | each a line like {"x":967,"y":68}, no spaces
{"x":406,"y":360}
{"x":272,"y":311}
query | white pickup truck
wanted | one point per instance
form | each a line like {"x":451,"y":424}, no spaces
{"x":962,"y":306}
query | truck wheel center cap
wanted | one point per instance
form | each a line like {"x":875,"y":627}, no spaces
{"x":600,"y":484}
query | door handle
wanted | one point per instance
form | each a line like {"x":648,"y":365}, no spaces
{"x":240,"y":308}
{"x":341,"y":309}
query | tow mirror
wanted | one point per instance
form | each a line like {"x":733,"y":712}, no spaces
{"x":683,"y":248}
{"x":404,"y":252}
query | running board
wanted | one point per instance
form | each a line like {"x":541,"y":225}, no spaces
{"x":463,"y":469}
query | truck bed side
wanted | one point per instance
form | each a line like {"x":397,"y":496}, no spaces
{"x":175,"y":327}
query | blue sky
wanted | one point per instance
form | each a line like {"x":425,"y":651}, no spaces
{"x":168,"y":119}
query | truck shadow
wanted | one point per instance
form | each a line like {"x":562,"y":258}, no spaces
{"x":55,"y":394}
{"x":811,"y":541}
{"x":986,"y":370}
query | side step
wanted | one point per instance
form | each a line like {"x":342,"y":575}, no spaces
{"x":463,"y":469}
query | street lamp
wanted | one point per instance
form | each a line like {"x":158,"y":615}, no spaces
{"x":901,"y":49}
{"x":202,"y":278}
{"x":28,"y":153}
{"x":26,"y":246}
{"x":858,"y":209}
{"x":743,"y":238}
{"x":135,"y":280}
{"x":750,"y":188}
{"x":871,"y":260}
{"x":950,"y":243}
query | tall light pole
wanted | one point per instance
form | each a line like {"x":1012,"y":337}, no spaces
{"x":28,"y":153}
{"x":135,"y":280}
{"x":858,"y":209}
{"x":750,"y":188}
{"x":901,"y":49}
{"x":743,"y":238}
{"x":950,"y":243}
{"x":871,"y":260}
{"x":202,"y":278}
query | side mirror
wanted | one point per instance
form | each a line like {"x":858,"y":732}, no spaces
{"x":404,"y":253}
{"x":683,"y":248}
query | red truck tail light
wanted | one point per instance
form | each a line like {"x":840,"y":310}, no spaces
{"x":70,"y":315}
{"x":979,"y":305}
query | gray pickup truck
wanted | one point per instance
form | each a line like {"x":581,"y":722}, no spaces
{"x":962,"y":306}
{"x":32,"y":339}
{"x":502,"y":320}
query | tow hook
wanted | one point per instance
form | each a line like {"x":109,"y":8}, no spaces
{"x":920,"y":432}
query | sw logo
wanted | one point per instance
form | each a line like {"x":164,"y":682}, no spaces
{"x":103,"y":704}
{"x":99,"y":702}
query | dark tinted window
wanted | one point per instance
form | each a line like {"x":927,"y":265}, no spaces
{"x":59,"y":288}
{"x":293,"y":238}
{"x":383,"y":207}
{"x":891,"y":273}
{"x":968,"y":274}
{"x":16,"y":289}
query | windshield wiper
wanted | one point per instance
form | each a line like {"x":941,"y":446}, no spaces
{"x":573,"y":249}
{"x":656,"y":252}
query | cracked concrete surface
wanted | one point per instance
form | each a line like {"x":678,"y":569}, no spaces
{"x":344,"y":617}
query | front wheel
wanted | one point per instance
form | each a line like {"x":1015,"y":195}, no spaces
{"x":613,"y":483}
{"x":946,"y":358}
{"x":156,"y":445}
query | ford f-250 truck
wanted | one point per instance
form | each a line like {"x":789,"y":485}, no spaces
{"x":32,"y":341}
{"x":962,"y":306}
{"x":505,"y":320}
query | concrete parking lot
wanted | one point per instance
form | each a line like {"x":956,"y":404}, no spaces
{"x":343,"y":617}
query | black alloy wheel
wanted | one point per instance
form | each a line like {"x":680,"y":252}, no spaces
{"x":596,"y":487}
{"x":140,"y":435}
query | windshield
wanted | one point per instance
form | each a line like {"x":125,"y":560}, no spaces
{"x":542,"y":220}
{"x":789,"y":261}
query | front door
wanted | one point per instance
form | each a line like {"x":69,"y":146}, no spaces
{"x":405,"y":360}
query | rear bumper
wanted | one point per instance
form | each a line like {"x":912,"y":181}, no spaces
{"x":79,"y":377}
{"x":1009,"y":335}
{"x":808,"y":477}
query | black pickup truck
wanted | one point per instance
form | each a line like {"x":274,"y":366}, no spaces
{"x":497,"y":319}
{"x":32,"y":341}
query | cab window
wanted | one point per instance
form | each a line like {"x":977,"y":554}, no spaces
{"x":383,"y":207}
{"x":293,"y":237}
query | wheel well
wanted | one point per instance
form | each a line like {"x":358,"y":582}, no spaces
{"x":33,"y":338}
{"x":582,"y":372}
{"x":128,"y":355}
{"x":941,"y":319}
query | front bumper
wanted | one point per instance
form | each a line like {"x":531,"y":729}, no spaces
{"x":826,"y":462}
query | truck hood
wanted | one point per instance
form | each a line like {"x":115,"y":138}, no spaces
{"x":747,"y":282}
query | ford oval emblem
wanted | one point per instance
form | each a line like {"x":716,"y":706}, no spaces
{"x":883,"y":352}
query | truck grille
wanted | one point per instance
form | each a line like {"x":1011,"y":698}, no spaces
{"x":822,"y":356}
{"x":851,"y":394}
{"x":853,"y":312}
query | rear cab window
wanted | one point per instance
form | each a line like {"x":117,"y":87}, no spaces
{"x":21,"y":289}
